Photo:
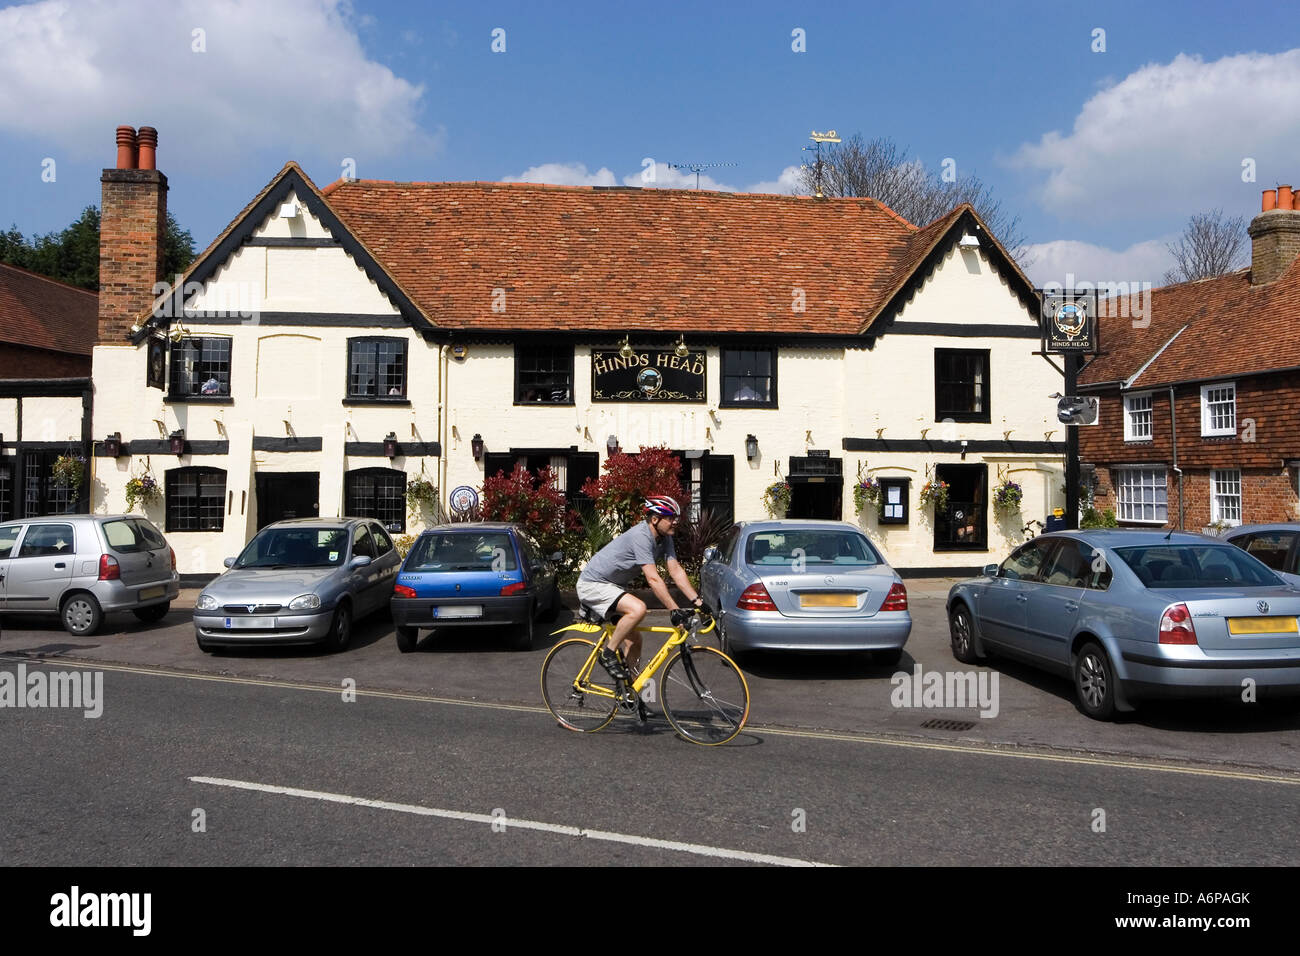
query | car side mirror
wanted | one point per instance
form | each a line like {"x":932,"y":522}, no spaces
{"x":990,"y":570}
{"x":710,"y":554}
{"x":360,"y":561}
{"x":230,"y":562}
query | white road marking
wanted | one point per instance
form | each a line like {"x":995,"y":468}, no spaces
{"x":512,"y":823}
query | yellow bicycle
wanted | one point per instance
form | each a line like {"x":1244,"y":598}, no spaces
{"x":703,"y":693}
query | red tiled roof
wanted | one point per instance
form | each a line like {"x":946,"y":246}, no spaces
{"x":1233,"y":328}
{"x":661,"y":259}
{"x":43,"y":313}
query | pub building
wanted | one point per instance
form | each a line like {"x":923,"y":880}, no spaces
{"x":331,"y":344}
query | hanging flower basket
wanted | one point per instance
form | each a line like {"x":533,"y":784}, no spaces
{"x":141,"y":489}
{"x":865,"y":492}
{"x":69,"y":471}
{"x":421,"y":492}
{"x":935,"y":493}
{"x":1007,"y":497}
{"x":776,"y":499}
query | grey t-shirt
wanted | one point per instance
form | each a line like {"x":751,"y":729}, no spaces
{"x":620,"y":560}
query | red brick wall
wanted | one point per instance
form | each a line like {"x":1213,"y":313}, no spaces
{"x":132,"y":227}
{"x":19,"y":362}
{"x":1266,"y":495}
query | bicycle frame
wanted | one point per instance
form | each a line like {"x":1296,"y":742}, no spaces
{"x":678,"y":637}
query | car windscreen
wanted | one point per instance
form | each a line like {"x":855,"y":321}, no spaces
{"x":439,"y":551}
{"x":789,"y":547}
{"x":295,"y":548}
{"x":1196,"y":566}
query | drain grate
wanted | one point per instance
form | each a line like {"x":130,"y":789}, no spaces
{"x":939,"y":724}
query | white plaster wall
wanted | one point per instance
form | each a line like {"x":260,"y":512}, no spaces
{"x":51,"y":419}
{"x":9,"y":418}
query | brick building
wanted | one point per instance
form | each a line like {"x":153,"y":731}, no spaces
{"x":1223,"y":354}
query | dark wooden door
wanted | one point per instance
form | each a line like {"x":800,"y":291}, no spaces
{"x":287,"y":495}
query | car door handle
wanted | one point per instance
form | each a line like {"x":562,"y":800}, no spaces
{"x":1022,"y":597}
{"x":1071,"y":606}
{"x":60,"y":564}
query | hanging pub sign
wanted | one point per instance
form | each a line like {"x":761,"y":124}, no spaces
{"x":156,"y":359}
{"x":649,"y":375}
{"x":1069,"y":321}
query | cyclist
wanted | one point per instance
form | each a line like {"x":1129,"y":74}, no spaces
{"x":601,"y":586}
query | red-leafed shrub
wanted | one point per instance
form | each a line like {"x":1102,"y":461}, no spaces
{"x":619,"y":494}
{"x":531,"y":501}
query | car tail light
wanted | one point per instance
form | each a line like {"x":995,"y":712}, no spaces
{"x":756,"y":598}
{"x":109,"y":569}
{"x":517,"y":588}
{"x":1176,"y":626}
{"x":172,"y":552}
{"x":402,"y":591}
{"x":896,"y":599}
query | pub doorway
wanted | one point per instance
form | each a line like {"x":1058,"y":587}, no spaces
{"x":963,"y":524}
{"x":816,"y":487}
{"x":282,"y":495}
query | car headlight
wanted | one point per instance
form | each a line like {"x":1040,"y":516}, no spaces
{"x":305,"y":602}
{"x":206,"y":602}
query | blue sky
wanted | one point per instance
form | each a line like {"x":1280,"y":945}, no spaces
{"x":1103,"y":155}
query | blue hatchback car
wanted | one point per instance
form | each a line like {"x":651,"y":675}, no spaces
{"x":475,"y":574}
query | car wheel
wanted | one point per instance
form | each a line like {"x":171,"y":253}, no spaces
{"x":155,"y":612}
{"x":407,"y":638}
{"x":888,"y":658}
{"x":961,"y":630}
{"x":340,"y":635}
{"x":523,"y":641}
{"x":81,"y":615}
{"x":1094,"y":682}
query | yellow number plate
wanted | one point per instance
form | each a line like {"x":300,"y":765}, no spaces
{"x":828,"y":600}
{"x":1262,"y":625}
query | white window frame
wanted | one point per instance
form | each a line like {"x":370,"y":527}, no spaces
{"x":1129,"y":433}
{"x":1120,"y":486}
{"x":1209,"y":430}
{"x":1230,"y":481}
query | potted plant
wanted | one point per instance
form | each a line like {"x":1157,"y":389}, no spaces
{"x":421,"y":492}
{"x":935,"y":492}
{"x":141,"y":488}
{"x":69,"y":471}
{"x":1007,"y":497}
{"x":866,"y":491}
{"x":776,"y":499}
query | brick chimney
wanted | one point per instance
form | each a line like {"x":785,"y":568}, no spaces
{"x":1274,"y":236}
{"x":132,"y":226}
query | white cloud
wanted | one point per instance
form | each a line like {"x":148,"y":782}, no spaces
{"x":291,"y":76}
{"x":788,"y":183}
{"x":563,"y":174}
{"x":1056,"y":261}
{"x":1169,"y":140}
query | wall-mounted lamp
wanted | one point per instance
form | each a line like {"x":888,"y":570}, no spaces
{"x":751,"y":447}
{"x":112,"y":445}
{"x":176,"y":442}
{"x":390,"y":445}
{"x":476,"y":446}
{"x":458,"y":352}
{"x":611,"y":445}
{"x":625,"y":350}
{"x":964,"y":443}
{"x":680,"y":349}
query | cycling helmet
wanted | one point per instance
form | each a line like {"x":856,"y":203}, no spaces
{"x":663,"y":506}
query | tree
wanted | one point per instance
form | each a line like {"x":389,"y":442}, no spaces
{"x":629,"y":480}
{"x":72,"y":255}
{"x":1210,"y":246}
{"x":879,"y":169}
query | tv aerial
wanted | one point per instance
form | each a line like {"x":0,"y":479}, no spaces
{"x":696,"y":167}
{"x":818,"y":166}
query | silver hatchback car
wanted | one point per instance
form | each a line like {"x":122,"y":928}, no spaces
{"x":82,"y":567}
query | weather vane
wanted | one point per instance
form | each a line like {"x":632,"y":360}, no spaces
{"x":830,"y":136}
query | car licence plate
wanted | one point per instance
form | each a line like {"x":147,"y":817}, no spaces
{"x":250,"y":623}
{"x":828,"y":600}
{"x":1262,"y":625}
{"x":458,"y":610}
{"x":147,"y":594}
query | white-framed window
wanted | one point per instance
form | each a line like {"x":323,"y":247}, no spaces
{"x":1219,"y":409}
{"x":1225,"y":495}
{"x":1137,"y":417}
{"x":1143,"y":494}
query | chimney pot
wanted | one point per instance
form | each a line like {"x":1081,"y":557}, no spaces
{"x":1269,"y":201}
{"x":1285,"y":198}
{"x":126,"y":146}
{"x":149,"y":148}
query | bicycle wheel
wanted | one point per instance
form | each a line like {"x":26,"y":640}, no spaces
{"x":576,"y":709}
{"x":704,"y":695}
